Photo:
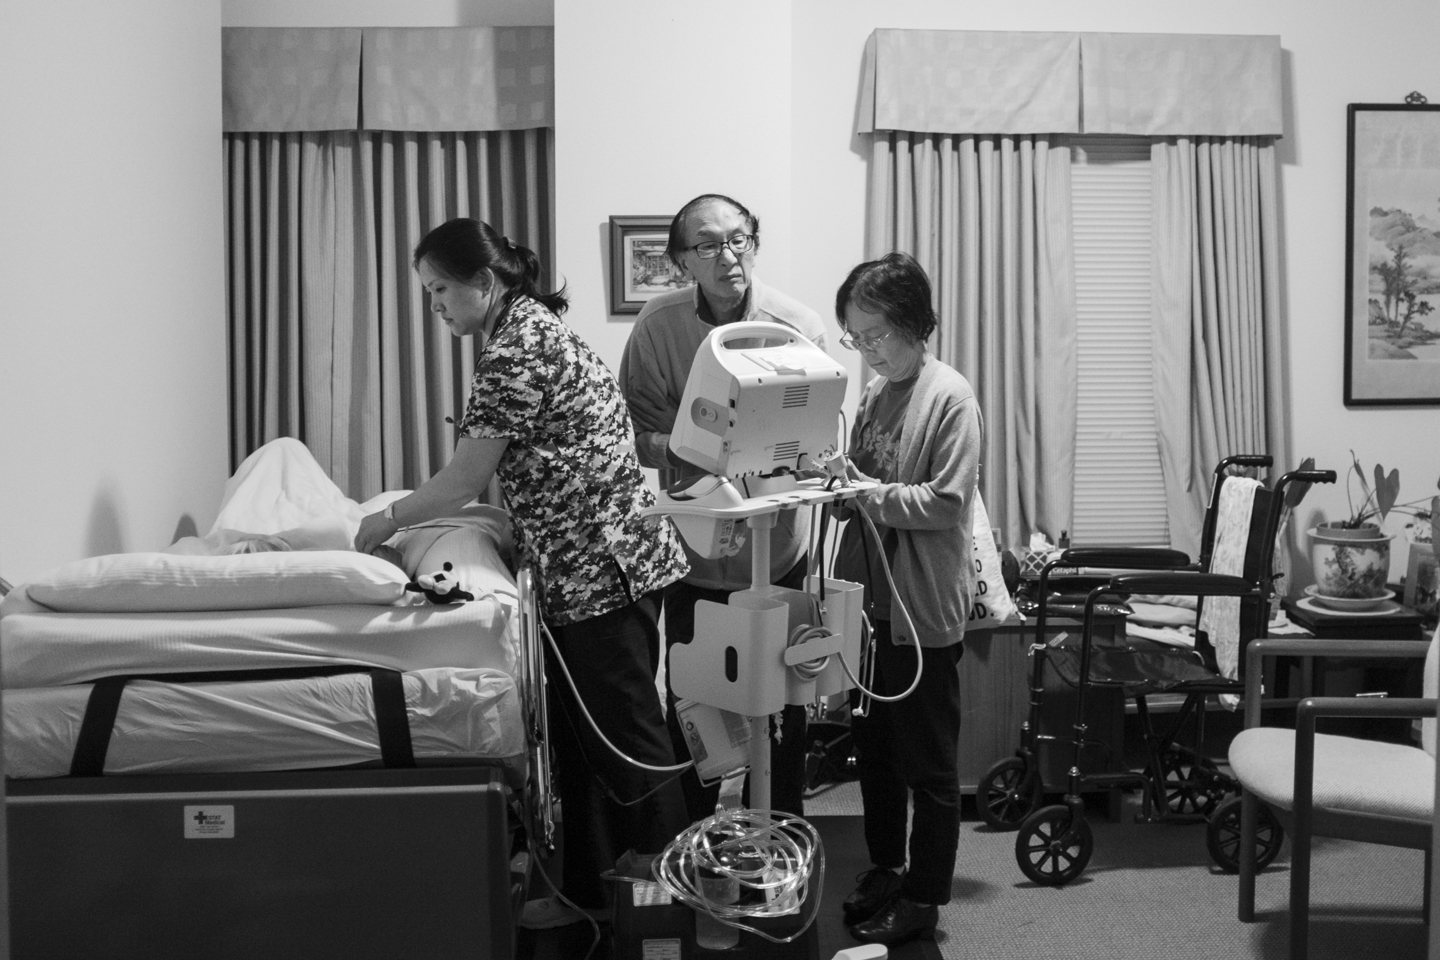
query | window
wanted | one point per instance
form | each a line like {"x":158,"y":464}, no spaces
{"x":1119,"y":491}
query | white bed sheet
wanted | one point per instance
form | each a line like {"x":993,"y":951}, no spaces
{"x":454,"y":714}
{"x":40,"y":648}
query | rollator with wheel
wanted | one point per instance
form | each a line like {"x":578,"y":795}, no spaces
{"x":1233,"y":583}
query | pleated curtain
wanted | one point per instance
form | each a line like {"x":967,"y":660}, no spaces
{"x":969,"y":172}
{"x":988,"y":217}
{"x":1219,"y":375}
{"x":330,"y":341}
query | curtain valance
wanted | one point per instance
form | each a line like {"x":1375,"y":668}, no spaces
{"x":285,"y":80}
{"x":971,"y":81}
{"x":459,"y":78}
{"x":1178,"y":85}
{"x":993,"y":82}
{"x":414,"y":79}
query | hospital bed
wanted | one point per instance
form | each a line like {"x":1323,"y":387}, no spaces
{"x":343,"y":779}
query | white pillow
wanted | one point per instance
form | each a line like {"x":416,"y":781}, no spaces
{"x":993,"y":606}
{"x":164,"y":582}
{"x":469,"y":544}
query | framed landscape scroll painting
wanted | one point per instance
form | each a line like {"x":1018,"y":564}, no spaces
{"x":1392,"y":247}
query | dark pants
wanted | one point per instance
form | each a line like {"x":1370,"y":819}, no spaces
{"x":612,"y":659}
{"x":787,"y":758}
{"x":912,"y":745}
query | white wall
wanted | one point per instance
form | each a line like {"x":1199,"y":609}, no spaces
{"x":657,"y":102}
{"x":112,"y":323}
{"x":622,"y":151}
{"x":1335,"y":53}
{"x":112,"y":365}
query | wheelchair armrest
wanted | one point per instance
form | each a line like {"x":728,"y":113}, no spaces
{"x":1311,"y":647}
{"x":1133,"y":558}
{"x":1185,"y":584}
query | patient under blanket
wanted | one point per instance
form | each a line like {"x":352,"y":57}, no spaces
{"x":281,"y":499}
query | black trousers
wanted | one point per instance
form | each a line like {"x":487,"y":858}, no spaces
{"x":787,"y":758}
{"x":612,"y":659}
{"x":912,"y":746}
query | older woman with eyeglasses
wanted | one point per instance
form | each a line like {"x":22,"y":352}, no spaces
{"x":917,"y":433}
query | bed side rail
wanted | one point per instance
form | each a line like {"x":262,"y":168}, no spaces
{"x":540,"y":807}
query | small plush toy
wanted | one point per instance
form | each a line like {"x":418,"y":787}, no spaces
{"x":439,"y":587}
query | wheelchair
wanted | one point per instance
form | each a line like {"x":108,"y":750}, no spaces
{"x":1177,"y":781}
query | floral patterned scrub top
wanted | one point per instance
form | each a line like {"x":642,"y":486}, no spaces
{"x":570,"y":476}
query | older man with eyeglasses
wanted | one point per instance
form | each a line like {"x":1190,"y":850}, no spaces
{"x":713,"y":241}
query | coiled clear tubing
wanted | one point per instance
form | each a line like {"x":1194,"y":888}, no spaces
{"x":761,"y":861}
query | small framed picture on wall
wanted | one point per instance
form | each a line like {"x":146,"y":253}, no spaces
{"x":639,"y":267}
{"x":1392,"y":255}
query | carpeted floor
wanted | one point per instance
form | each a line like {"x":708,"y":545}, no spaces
{"x":1149,"y":893}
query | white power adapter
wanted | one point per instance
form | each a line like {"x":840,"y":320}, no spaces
{"x":869,"y":951}
{"x":719,"y":740}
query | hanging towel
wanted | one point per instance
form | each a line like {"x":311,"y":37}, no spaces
{"x":1220,"y":617}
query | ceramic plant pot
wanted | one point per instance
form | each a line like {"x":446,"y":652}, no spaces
{"x":1350,"y":563}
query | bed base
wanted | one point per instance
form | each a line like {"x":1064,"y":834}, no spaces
{"x":429,"y":861}
{"x":315,"y":864}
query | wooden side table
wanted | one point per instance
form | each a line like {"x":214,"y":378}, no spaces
{"x":1379,"y":675}
{"x":1399,"y":623}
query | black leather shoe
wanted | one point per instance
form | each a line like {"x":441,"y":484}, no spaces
{"x":877,"y":885}
{"x":901,"y":919}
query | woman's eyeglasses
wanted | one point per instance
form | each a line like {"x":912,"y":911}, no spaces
{"x":738,"y":244}
{"x":850,"y":342}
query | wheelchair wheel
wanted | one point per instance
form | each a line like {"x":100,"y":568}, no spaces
{"x":1222,"y":837}
{"x":1007,"y":795}
{"x":1054,"y":846}
{"x":1193,"y":785}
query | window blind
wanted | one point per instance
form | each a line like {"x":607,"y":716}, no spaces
{"x":1119,"y":491}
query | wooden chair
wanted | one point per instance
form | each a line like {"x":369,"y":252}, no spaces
{"x":1334,"y":786}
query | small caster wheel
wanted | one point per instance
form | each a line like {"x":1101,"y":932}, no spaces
{"x":1189,"y":783}
{"x":1222,"y":836}
{"x":1007,"y":795}
{"x":1054,"y":845}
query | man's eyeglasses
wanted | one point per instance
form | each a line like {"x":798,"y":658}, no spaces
{"x":850,"y":342}
{"x":738,"y":244}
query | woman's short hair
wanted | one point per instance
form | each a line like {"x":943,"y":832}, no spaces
{"x":675,"y":244}
{"x":896,"y":288}
{"x":464,"y":247}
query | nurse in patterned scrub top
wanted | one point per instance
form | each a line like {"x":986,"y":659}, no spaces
{"x":546,"y":417}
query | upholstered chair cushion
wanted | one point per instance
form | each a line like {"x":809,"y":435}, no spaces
{"x":1358,"y":776}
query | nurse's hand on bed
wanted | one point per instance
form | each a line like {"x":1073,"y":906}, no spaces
{"x":375,"y":529}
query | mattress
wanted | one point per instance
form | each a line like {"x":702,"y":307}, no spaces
{"x":454,"y":714}
{"x":43,"y":648}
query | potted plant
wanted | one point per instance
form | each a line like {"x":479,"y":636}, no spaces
{"x":1351,"y":557}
